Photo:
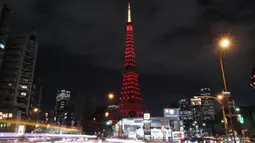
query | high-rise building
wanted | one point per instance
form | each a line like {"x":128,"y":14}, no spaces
{"x":198,"y":112}
{"x":113,"y":111}
{"x":130,"y":101}
{"x":69,"y":116}
{"x":5,"y":15}
{"x":186,"y":111}
{"x":63,"y":97}
{"x":36,"y":95}
{"x":16,"y":77}
{"x":83,"y":106}
{"x":207,"y":106}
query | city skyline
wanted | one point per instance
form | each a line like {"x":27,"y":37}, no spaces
{"x":177,"y":53}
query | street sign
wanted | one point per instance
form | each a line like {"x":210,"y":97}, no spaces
{"x":226,"y":94}
{"x":146,"y":116}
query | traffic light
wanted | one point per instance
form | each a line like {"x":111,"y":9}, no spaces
{"x":241,"y":119}
{"x":109,"y":122}
{"x":2,"y":45}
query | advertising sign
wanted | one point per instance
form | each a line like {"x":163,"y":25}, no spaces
{"x":146,"y":116}
{"x":195,"y":101}
{"x":226,"y":94}
{"x":147,"y":125}
{"x":21,"y":130}
{"x":172,"y":113}
{"x":147,"y":128}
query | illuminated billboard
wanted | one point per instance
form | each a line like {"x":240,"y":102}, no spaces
{"x":172,"y":113}
{"x":146,"y":116}
{"x":195,"y":101}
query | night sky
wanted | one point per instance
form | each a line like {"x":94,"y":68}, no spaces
{"x":82,"y":46}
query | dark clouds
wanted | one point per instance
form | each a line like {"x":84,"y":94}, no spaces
{"x":175,"y":43}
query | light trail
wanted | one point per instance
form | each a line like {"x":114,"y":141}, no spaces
{"x":40,"y":125}
{"x":123,"y":141}
{"x":4,"y":135}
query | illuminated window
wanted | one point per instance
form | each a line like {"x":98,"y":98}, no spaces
{"x":2,"y":46}
{"x":23,"y":93}
{"x":5,"y":115}
{"x":8,"y":124}
{"x":10,"y":115}
{"x":23,"y":86}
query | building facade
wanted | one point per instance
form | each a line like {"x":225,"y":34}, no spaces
{"x":186,"y":111}
{"x":198,"y":113}
{"x":153,"y":128}
{"x":35,"y":99}
{"x":62,"y":99}
{"x":5,"y":16}
{"x":16,"y":77}
{"x":207,"y":106}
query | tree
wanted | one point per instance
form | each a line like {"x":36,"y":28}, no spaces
{"x":132,"y":114}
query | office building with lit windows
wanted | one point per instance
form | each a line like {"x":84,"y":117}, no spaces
{"x":207,"y":105}
{"x":195,"y":110}
{"x":16,"y":76}
{"x":61,"y":112}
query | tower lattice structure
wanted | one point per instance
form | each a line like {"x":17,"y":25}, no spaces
{"x":130,"y":100}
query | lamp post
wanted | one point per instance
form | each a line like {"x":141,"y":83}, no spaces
{"x":224,"y":44}
{"x":218,"y":99}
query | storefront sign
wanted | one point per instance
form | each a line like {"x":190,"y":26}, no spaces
{"x":147,"y":125}
{"x":172,"y":113}
{"x":146,"y":116}
{"x":147,"y":128}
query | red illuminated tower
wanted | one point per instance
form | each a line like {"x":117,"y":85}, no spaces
{"x":130,"y":101}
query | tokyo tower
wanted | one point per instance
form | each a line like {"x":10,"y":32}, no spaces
{"x":130,"y":101}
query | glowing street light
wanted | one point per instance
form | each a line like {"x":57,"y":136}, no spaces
{"x":237,"y":109}
{"x":110,"y":96}
{"x":36,"y":110}
{"x":220,"y":97}
{"x":224,"y":43}
{"x":106,"y":114}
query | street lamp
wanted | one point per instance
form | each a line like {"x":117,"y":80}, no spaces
{"x":106,"y":114}
{"x":219,"y":97}
{"x":225,"y":43}
{"x":35,"y":110}
{"x":237,"y":109}
{"x":111,"y":96}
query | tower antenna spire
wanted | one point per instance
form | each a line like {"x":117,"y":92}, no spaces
{"x":129,"y":12}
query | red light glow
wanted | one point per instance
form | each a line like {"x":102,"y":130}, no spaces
{"x":130,"y":99}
